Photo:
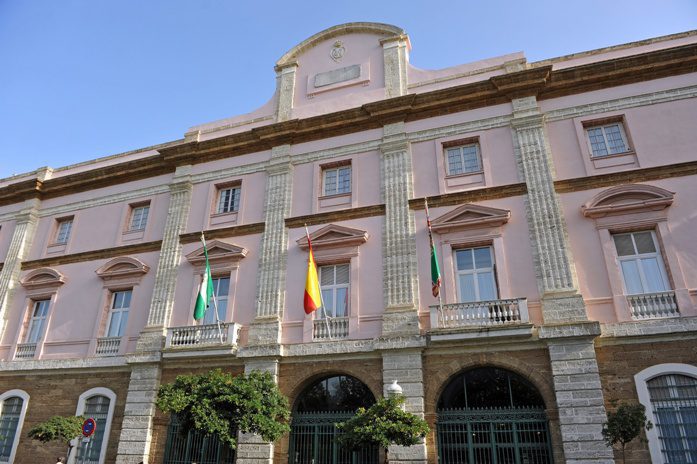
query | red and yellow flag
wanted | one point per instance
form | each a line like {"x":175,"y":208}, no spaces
{"x":313,"y":297}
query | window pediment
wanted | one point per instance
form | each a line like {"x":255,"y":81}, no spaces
{"x":218,"y":253}
{"x":334,"y":236}
{"x":470,"y":216}
{"x":123,"y":267}
{"x":628,"y":199}
{"x":43,"y":278}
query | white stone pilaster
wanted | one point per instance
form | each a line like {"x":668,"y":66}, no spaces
{"x":251,"y":448}
{"x":396,"y":58}
{"x":273,"y":252}
{"x":285,"y":91}
{"x":400,"y":281}
{"x":136,"y":429}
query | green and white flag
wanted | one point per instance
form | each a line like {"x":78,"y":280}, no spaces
{"x":205,"y":291}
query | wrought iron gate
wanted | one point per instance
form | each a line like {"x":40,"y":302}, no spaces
{"x":195,"y":446}
{"x":313,"y":441}
{"x":493,"y":436}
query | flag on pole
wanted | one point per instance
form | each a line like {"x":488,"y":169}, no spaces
{"x":205,"y":291}
{"x":435,"y":269}
{"x":313,"y":296}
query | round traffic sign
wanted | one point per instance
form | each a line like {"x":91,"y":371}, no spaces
{"x":88,"y":427}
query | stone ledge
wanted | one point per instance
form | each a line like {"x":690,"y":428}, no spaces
{"x":569,"y":330}
{"x":197,"y":352}
{"x":48,"y":364}
{"x":468,"y":333}
{"x":649,"y":327}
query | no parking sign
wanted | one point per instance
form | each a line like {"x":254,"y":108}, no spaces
{"x":88,"y":427}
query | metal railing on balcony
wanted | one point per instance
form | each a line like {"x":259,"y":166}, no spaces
{"x":25,"y":350}
{"x":108,"y":346}
{"x":202,"y":335}
{"x":480,"y":314}
{"x":337,"y":327}
{"x":653,"y":305}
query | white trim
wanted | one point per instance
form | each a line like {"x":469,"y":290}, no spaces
{"x":98,"y":391}
{"x":642,"y":389}
{"x":25,"y":404}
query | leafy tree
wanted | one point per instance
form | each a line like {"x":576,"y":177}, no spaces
{"x":58,"y":428}
{"x":222,"y":404}
{"x":625,"y":424}
{"x":385,"y":423}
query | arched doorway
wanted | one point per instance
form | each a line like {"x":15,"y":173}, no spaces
{"x":319,"y":408}
{"x":492,"y":416}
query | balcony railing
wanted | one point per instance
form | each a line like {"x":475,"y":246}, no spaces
{"x":202,"y":335}
{"x":653,"y":305}
{"x":108,"y":346}
{"x":338,"y":327}
{"x":25,"y":350}
{"x":480,"y":314}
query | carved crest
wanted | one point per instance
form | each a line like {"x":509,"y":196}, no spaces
{"x":470,"y":216}
{"x":337,"y":52}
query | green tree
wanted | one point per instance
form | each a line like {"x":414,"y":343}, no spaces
{"x":222,"y":404}
{"x":385,"y":423}
{"x":624,"y":425}
{"x":58,"y":428}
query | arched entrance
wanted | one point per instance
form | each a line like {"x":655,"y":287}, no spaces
{"x":492,"y":416}
{"x":319,"y":408}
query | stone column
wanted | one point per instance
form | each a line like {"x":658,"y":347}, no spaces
{"x":395,"y":52}
{"x":22,"y":237}
{"x":251,"y":448}
{"x":273,"y":252}
{"x":285,"y":90}
{"x":566,"y":330}
{"x":406,"y":368}
{"x":399,"y":245}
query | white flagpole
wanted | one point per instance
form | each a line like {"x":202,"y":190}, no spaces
{"x":215,"y":300}
{"x":321,"y":298}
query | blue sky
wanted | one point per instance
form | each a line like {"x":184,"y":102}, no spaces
{"x":83,"y":79}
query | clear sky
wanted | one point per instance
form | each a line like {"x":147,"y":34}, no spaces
{"x":82,"y":79}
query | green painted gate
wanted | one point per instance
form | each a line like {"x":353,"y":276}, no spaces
{"x":194,"y":446}
{"x":493,"y":436}
{"x":313,"y":440}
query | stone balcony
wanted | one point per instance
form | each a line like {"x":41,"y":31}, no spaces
{"x":332,"y":328}
{"x":108,"y":346}
{"x":25,"y":351}
{"x":207,"y":337}
{"x":480,"y":319}
{"x":653,"y":305}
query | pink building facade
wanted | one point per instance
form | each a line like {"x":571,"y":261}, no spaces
{"x":561,"y":195}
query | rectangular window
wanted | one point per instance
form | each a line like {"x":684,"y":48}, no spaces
{"x":475,"y":274}
{"x":139,"y":217}
{"x":63,"y":230}
{"x":37,"y":322}
{"x":337,"y":180}
{"x":334,"y":284}
{"x":463,"y":159}
{"x":607,"y":139}
{"x":641,"y":263}
{"x":221,"y":288}
{"x":118,"y":314}
{"x":228,"y":200}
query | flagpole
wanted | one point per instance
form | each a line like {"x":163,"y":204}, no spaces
{"x":215,"y":300}
{"x":430,"y":240}
{"x":321,"y":298}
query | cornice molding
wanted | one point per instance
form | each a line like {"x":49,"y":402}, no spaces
{"x":470,"y":216}
{"x":335,"y":216}
{"x":624,"y":199}
{"x":245,"y":229}
{"x":104,"y":253}
{"x":470,"y":196}
{"x":334,"y":236}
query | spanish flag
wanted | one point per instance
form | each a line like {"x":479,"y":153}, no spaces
{"x":313,"y":297}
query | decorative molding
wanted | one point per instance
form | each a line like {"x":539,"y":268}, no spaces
{"x":43,"y":279}
{"x":470,"y":196}
{"x":123,"y":268}
{"x":469,"y":216}
{"x":335,"y":216}
{"x":104,"y":253}
{"x":234,"y":231}
{"x":218,"y":252}
{"x":628,"y":199}
{"x":334,"y":236}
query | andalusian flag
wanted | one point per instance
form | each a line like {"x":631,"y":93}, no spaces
{"x":313,"y":297}
{"x":435,"y":269}
{"x":205,"y":291}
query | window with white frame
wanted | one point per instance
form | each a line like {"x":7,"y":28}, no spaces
{"x":476,"y":280}
{"x":334,"y":285}
{"x":118,"y":313}
{"x":37,"y":321}
{"x":10,"y":420}
{"x":463,"y":159}
{"x":221,"y":290}
{"x":336,"y":180}
{"x":139,"y":217}
{"x":98,"y":404}
{"x":63,"y":228}
{"x":641,"y":263}
{"x":607,"y":139}
{"x":228,"y":199}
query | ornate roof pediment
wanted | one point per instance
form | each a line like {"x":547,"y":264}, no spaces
{"x":624,"y":199}
{"x":218,"y":252}
{"x":333,"y":236}
{"x":469,"y":216}
{"x":43,"y":278}
{"x":123,"y":267}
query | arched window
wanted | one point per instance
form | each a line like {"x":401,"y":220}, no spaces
{"x":492,"y":415}
{"x":669,"y":393}
{"x":319,"y":408}
{"x":185,"y":446}
{"x":13,"y":407}
{"x":98,"y":404}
